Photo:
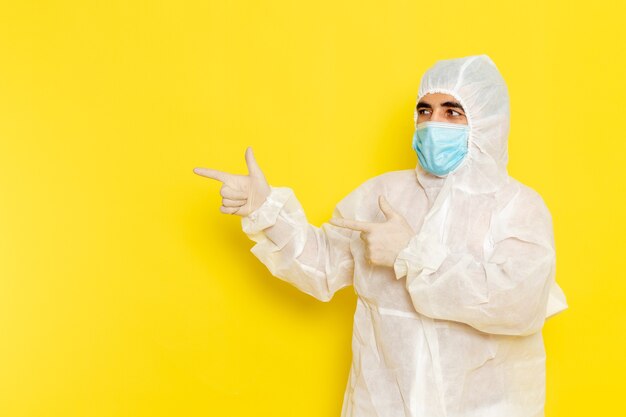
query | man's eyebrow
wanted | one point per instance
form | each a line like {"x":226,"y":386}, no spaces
{"x":452,"y":104}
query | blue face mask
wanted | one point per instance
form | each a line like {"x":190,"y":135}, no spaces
{"x":440,"y":147}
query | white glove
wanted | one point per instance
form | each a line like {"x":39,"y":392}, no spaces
{"x":241,"y":194}
{"x":383,"y":241}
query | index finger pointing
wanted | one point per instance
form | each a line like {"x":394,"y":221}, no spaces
{"x":351,"y":224}
{"x":212,"y":173}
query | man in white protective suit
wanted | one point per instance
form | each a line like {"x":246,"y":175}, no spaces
{"x":453,"y":262}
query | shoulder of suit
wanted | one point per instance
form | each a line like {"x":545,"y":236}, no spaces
{"x":377,"y":184}
{"x":389,"y":176}
{"x":526,"y":194}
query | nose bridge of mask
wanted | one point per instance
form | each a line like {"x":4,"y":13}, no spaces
{"x":440,"y":146}
{"x":430,"y":123}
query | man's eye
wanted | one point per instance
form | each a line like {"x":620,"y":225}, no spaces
{"x":422,"y":111}
{"x":456,"y":113}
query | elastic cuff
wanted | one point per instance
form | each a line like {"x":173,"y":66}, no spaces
{"x":422,"y":252}
{"x":267,"y":213}
{"x":400,"y":268}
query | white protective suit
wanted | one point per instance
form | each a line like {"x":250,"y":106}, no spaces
{"x":454,"y":328}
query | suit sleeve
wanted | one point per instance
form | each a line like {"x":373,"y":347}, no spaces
{"x":503,"y":291}
{"x":316,"y":260}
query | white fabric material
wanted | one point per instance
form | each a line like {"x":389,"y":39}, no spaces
{"x":454,"y":328}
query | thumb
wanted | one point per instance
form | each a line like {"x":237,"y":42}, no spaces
{"x":386,"y":208}
{"x":253,"y":168}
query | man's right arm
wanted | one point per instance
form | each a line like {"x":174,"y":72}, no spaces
{"x":316,"y":260}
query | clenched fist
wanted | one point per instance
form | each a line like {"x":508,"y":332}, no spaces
{"x":241,"y":194}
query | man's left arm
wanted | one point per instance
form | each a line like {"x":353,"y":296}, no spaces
{"x":504,"y":291}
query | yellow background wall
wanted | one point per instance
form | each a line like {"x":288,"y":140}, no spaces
{"x":125,"y":292}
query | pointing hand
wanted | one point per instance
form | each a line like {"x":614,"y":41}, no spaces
{"x":383,"y":241}
{"x":241,"y":194}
